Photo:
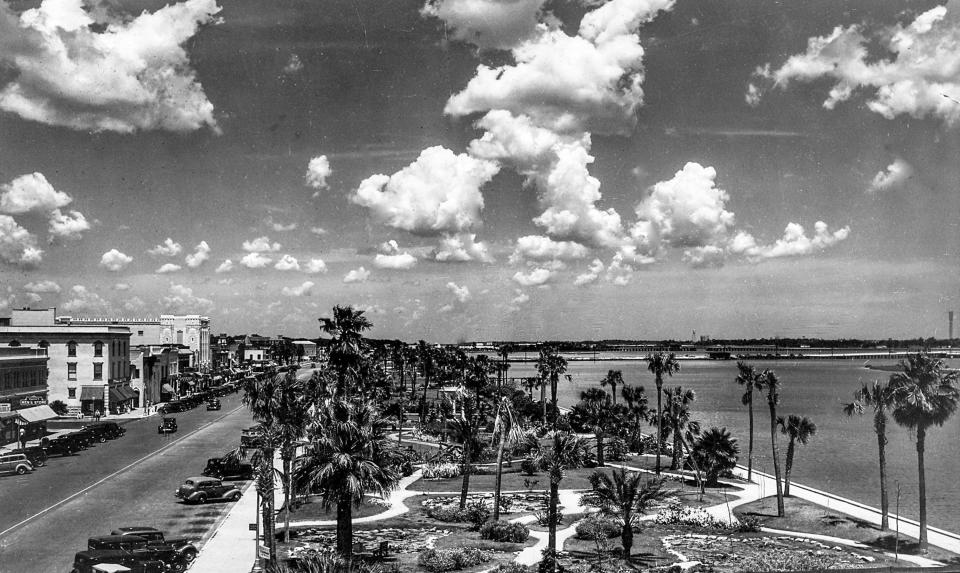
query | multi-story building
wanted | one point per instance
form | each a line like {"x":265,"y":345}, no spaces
{"x":89,"y":365}
{"x":154,"y":372}
{"x":23,"y":393}
{"x":190,"y":330}
{"x":220,"y":351}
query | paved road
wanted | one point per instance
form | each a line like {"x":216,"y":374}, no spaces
{"x":129,"y":481}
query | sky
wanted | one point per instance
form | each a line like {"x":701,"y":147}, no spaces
{"x":486,"y":169}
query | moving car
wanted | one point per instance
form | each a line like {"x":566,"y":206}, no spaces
{"x":227,"y":466}
{"x":186,"y":549}
{"x":213,"y":404}
{"x":167,"y":426}
{"x":203,"y":489}
{"x":15,"y":463}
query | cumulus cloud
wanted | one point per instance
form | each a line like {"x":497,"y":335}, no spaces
{"x":287,"y":263}
{"x":67,"y":226}
{"x":917,"y":66}
{"x":520,"y":298}
{"x":180,"y":298}
{"x":17,"y":245}
{"x":357,"y":276}
{"x":113,"y":260}
{"x":282,"y":228}
{"x":168,"y":268}
{"x":895,"y":175}
{"x":121,"y":287}
{"x":535,"y":277}
{"x":794,"y":242}
{"x":437,"y":194}
{"x":318,"y":170}
{"x":261,"y":245}
{"x":318,"y":231}
{"x":255,"y":260}
{"x":46,"y":286}
{"x":540,"y":248}
{"x":591,"y":275}
{"x":34,"y":297}
{"x":294,"y":65}
{"x":519,"y":142}
{"x":118,"y":74}
{"x":302,"y":290}
{"x":200,"y":254}
{"x":403,"y":261}
{"x":84,"y":300}
{"x":462,"y":248}
{"x":588,"y":82}
{"x":497,"y":24}
{"x":169,"y":248}
{"x":619,"y":273}
{"x":461,"y":293}
{"x":225,"y":267}
{"x":31,"y":193}
{"x":134,"y":304}
{"x":315,"y":266}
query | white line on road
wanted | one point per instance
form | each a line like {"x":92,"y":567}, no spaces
{"x":114,"y":474}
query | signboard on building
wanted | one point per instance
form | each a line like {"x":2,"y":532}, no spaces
{"x":35,"y":400}
{"x":4,"y":406}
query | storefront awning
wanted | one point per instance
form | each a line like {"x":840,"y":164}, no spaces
{"x":116,"y":396}
{"x":91,"y":393}
{"x":37,"y":413}
{"x":167,"y":388}
{"x":5,"y":415}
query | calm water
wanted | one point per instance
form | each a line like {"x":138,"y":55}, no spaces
{"x":840,"y":458}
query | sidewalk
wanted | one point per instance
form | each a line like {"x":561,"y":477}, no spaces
{"x":132,"y":415}
{"x":232,"y":549}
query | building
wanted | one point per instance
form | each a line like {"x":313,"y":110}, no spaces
{"x":220,"y":351}
{"x":23,"y":393}
{"x":154,"y":373}
{"x":255,"y":354}
{"x":190,"y":330}
{"x":89,"y":365}
{"x":309,"y":348}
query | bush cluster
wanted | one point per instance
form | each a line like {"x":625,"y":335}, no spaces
{"x":588,"y":528}
{"x":439,"y":560}
{"x":678,"y":514}
{"x":529,"y":466}
{"x":505,"y":532}
{"x":615,"y":450}
{"x":443,"y":470}
{"x":476,"y":513}
{"x":513,"y":568}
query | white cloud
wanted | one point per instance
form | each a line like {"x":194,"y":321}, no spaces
{"x":168,"y":268}
{"x":403,"y":261}
{"x":200,"y":254}
{"x":294,"y":65}
{"x":535,"y":277}
{"x":46,"y":286}
{"x":287,"y":263}
{"x":618,"y":272}
{"x":487,"y":23}
{"x":113,"y":260}
{"x":462,"y":248}
{"x":318,"y":170}
{"x":85,"y":300}
{"x":169,"y":248}
{"x":255,"y":261}
{"x":17,"y":245}
{"x":34,"y":297}
{"x":31,"y":192}
{"x":918,"y":65}
{"x":315,"y":266}
{"x":119,"y":74}
{"x":705,"y":256}
{"x":283,"y":228}
{"x":516,"y":140}
{"x":592,"y":274}
{"x":895,"y":175}
{"x":303,"y":289}
{"x":261,"y":245}
{"x":121,"y":287}
{"x":795,"y":242}
{"x":753,"y":95}
{"x":180,"y":298}
{"x":462,"y":293}
{"x":70,"y":226}
{"x":357,"y":276}
{"x":540,"y":248}
{"x":134,"y":304}
{"x":318,"y":231}
{"x":225,"y":267}
{"x":437,"y":194}
{"x":520,"y":298}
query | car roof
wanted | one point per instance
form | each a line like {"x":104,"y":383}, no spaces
{"x":136,"y":528}
{"x":126,"y":538}
{"x":203,"y":478}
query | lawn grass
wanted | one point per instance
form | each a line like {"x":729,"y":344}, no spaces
{"x":311,"y":509}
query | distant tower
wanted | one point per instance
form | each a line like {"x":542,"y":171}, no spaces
{"x":950,"y":318}
{"x":693,"y":336}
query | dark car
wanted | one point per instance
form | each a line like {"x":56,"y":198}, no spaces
{"x":135,"y":544}
{"x":213,"y":404}
{"x":227,"y":467}
{"x":62,"y":446}
{"x":81,"y":439}
{"x":167,"y":426}
{"x":110,"y":430}
{"x":84,"y":561}
{"x":203,"y":489}
{"x":35,"y":454}
{"x":250,"y":437}
{"x":186,"y":549}
{"x":94,"y":434}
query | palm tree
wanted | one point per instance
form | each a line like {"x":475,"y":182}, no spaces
{"x":748,"y":378}
{"x":550,"y":366}
{"x":568,"y":452}
{"x":677,"y":415}
{"x":399,"y":358}
{"x":926,"y":395}
{"x":637,"y":413}
{"x":800,"y":429}
{"x":881,"y":398}
{"x":770,"y":383}
{"x":596,"y":413}
{"x":292,"y":407}
{"x":613,"y":379}
{"x":507,"y":428}
{"x":427,"y":358}
{"x":624,"y":496}
{"x":715,"y":451}
{"x":260,"y":398}
{"x":659,"y":364}
{"x":466,"y":430}
{"x":349,"y":455}
{"x":345,"y":327}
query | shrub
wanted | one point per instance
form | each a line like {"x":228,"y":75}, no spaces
{"x":448,"y":514}
{"x":506,"y":502}
{"x":440,"y":560}
{"x":543,"y":518}
{"x":58,"y":407}
{"x":615,"y":450}
{"x":514,"y":568}
{"x":588,"y":528}
{"x":748,"y":524}
{"x":529,"y":466}
{"x":505,"y":532}
{"x":442,"y":470}
{"x":477,"y":513}
{"x":678,"y":514}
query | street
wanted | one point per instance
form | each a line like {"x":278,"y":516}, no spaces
{"x":47,"y":516}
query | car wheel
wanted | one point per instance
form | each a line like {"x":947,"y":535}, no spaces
{"x":189,"y":556}
{"x":40,"y":463}
{"x":201,"y":499}
{"x":102,"y":439}
{"x":178,"y":566}
{"x":235,"y":496}
{"x":21,"y":470}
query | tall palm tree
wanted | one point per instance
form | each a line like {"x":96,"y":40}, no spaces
{"x":427,"y":358}
{"x":412,"y":358}
{"x":683,"y":428}
{"x":466,"y":430}
{"x":800,"y":429}
{"x":399,"y":358}
{"x":614,"y":378}
{"x":926,"y":396}
{"x":714,"y":451}
{"x":596,"y":413}
{"x":346,"y":327}
{"x":260,"y":397}
{"x":349,"y":455}
{"x":881,"y":398}
{"x":625,"y":496}
{"x":638,"y":412}
{"x":292,"y":408}
{"x":659,"y":364}
{"x":567,"y":452}
{"x":771,"y":383}
{"x":748,"y":377}
{"x":550,"y":366}
{"x":507,"y":429}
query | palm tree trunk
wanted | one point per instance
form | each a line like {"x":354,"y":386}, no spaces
{"x":659,"y":421}
{"x":543,"y":399}
{"x":423,"y":412}
{"x":288,"y":484}
{"x":922,"y":478}
{"x":613,"y":389}
{"x":884,"y":502}
{"x":789,"y":468}
{"x":465,"y":487}
{"x":552,"y":518}
{"x":776,"y":460}
{"x":345,"y":527}
{"x":675,"y":460}
{"x":626,"y":536}
{"x":599,"y":449}
{"x":499,"y":479}
{"x":553,"y":399}
{"x":750,"y":454}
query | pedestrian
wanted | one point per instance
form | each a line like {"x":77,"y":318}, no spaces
{"x":96,"y":415}
{"x":23,"y":439}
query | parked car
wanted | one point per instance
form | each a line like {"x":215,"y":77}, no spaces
{"x":250,"y":437}
{"x":110,"y":430}
{"x":227,"y":467}
{"x":81,"y":438}
{"x":62,"y":446}
{"x":35,"y":454}
{"x":137,"y":567}
{"x":186,"y":549}
{"x":213,"y":404}
{"x":15,"y":463}
{"x":203,"y":489}
{"x":85,"y":561}
{"x":93,"y":435}
{"x":135,"y":544}
{"x":167,"y":426}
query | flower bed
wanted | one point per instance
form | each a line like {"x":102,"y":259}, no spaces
{"x":413,"y":540}
{"x":519,"y":502}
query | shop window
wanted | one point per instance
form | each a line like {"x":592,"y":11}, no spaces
{"x":139,"y":333}
{"x":98,"y":371}
{"x":72,"y":349}
{"x":71,"y":370}
{"x":98,"y":348}
{"x":72,"y":393}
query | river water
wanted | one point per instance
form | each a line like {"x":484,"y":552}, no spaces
{"x":841,"y":458}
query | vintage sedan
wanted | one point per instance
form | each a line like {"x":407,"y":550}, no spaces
{"x":167,"y":426}
{"x":203,"y":489}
